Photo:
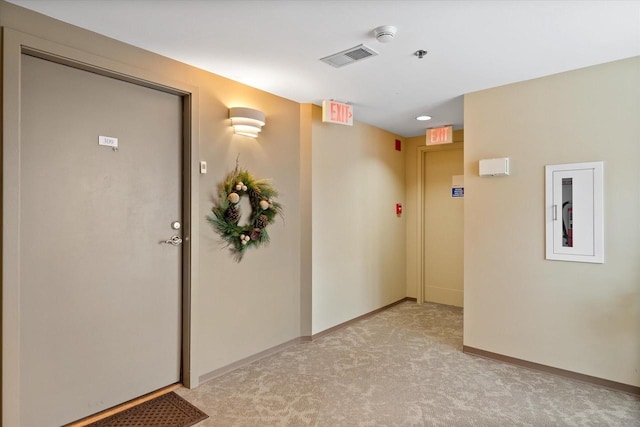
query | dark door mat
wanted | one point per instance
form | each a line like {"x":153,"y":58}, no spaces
{"x":168,"y":410}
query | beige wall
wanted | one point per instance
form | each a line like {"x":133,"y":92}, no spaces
{"x":358,"y":242}
{"x":413,"y":149}
{"x":580,"y":317}
{"x":238,"y":309}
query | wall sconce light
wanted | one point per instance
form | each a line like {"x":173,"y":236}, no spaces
{"x":246,"y":121}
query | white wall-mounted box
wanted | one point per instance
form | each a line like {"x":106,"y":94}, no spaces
{"x":574,"y":212}
{"x":494,"y":167}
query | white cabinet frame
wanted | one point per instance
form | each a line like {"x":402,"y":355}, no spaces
{"x":587,"y":215}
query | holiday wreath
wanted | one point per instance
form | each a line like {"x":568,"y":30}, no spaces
{"x":226,"y":213}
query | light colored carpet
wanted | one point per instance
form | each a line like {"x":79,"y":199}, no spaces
{"x":402,"y":367}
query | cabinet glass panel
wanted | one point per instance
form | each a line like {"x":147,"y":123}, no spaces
{"x":567,"y":212}
{"x":574,"y":220}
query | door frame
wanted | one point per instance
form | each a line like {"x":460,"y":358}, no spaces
{"x":15,"y":44}
{"x":422,"y":151}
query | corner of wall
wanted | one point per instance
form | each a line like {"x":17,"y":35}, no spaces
{"x":306,"y":248}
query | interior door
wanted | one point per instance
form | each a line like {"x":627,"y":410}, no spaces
{"x":443,"y":229}
{"x":100,"y":295}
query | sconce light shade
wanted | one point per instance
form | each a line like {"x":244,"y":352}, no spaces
{"x":246,"y":121}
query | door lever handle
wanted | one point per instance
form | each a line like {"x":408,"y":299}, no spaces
{"x":174,"y":240}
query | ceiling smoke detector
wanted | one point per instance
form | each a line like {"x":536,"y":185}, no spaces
{"x":385,"y":33}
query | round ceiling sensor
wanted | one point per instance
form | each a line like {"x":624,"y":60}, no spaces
{"x":385,"y":33}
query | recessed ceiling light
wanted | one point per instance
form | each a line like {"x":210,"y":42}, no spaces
{"x":423,"y":118}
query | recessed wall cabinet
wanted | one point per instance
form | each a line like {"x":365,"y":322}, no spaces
{"x":574,"y":212}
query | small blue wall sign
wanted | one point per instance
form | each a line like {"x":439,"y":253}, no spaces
{"x":457,"y":192}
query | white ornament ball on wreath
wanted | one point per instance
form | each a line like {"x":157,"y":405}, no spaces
{"x":238,"y":187}
{"x":264,"y":205}
{"x":244,"y":188}
{"x":234,"y":198}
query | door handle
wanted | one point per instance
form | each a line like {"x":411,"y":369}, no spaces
{"x":174,"y":240}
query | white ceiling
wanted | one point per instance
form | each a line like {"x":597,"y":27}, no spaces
{"x":276,"y":46}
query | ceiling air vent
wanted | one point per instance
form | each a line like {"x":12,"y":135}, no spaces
{"x":349,"y":56}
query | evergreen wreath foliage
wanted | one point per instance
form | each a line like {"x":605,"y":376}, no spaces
{"x":226,"y":213}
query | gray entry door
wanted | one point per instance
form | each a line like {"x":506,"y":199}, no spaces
{"x":100,"y":296}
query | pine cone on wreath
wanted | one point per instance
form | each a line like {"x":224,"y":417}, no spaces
{"x":262,"y":221}
{"x":233,"y":214}
{"x":255,"y":234}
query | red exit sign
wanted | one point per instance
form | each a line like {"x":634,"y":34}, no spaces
{"x":442,"y":135}
{"x":337,"y":112}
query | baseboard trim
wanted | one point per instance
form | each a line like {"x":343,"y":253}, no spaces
{"x":551,"y":370}
{"x":355,"y":319}
{"x":247,"y":360}
{"x":278,"y":348}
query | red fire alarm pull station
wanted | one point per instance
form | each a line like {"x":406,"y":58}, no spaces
{"x":398,"y":145}
{"x":399,"y":209}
